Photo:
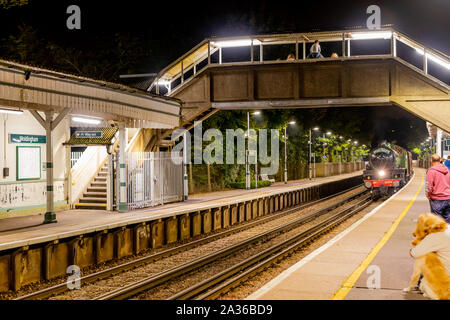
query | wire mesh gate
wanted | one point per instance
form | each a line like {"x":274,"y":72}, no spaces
{"x":153,"y":178}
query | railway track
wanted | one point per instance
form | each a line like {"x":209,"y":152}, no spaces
{"x":267,"y":256}
{"x":232,"y":277}
{"x":90,"y":278}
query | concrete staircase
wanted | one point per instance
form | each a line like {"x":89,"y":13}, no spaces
{"x":95,"y":195}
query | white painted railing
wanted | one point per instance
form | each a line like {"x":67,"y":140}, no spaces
{"x":89,"y":163}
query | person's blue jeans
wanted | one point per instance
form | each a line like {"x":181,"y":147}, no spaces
{"x":441,"y":208}
{"x":314,"y":55}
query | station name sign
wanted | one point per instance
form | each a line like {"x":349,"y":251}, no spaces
{"x":26,"y":138}
{"x":88,"y":134}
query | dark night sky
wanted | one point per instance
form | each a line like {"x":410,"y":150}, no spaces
{"x":170,"y":28}
{"x":179,"y":25}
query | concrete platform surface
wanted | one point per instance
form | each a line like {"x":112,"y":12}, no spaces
{"x":372,"y":253}
{"x":27,"y":230}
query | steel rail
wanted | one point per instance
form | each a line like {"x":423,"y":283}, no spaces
{"x":239,"y":273}
{"x":62,"y":287}
{"x":155,"y":280}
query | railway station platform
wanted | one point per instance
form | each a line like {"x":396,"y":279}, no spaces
{"x":27,"y":230}
{"x":31,"y":251}
{"x":368,"y":261}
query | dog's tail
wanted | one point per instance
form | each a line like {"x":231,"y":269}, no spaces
{"x":437,"y":276}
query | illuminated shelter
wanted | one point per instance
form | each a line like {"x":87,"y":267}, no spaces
{"x":50,"y":97}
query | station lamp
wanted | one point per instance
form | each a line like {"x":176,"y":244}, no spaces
{"x":86,"y":120}
{"x":11,"y":111}
{"x":235,"y":43}
{"x":433,"y":58}
{"x":371,"y":35}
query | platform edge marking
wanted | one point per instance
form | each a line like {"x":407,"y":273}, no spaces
{"x":282,"y":276}
{"x":348,"y":284}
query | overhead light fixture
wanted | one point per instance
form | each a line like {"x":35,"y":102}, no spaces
{"x":292,"y":122}
{"x":163,"y":82}
{"x":235,"y":43}
{"x":316,"y":128}
{"x":10,"y":111}
{"x":371,"y":35}
{"x":256,"y":113}
{"x":86,"y":120}
{"x":329,"y":133}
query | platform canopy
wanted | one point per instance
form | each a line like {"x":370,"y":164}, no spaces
{"x":24,"y":87}
{"x":92,"y":137}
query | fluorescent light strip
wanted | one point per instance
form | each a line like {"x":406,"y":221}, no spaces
{"x":86,"y":120}
{"x":372,"y":35}
{"x":438,"y":61}
{"x":434,"y":58}
{"x":235,"y":43}
{"x":11,"y":111}
{"x":163,"y":82}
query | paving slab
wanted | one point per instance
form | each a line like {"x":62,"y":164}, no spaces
{"x":322,"y":273}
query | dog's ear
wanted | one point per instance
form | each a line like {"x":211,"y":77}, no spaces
{"x":434,"y":223}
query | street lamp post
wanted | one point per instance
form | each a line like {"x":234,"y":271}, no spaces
{"x":247,"y":156}
{"x":310,"y":143}
{"x":247,"y":164}
{"x":285,"y":154}
{"x":285,"y":150}
{"x":310,"y":153}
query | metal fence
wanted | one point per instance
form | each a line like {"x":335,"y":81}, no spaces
{"x":153,"y":178}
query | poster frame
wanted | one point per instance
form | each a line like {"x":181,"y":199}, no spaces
{"x":17,"y":163}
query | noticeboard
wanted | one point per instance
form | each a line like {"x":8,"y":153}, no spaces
{"x":28,"y":162}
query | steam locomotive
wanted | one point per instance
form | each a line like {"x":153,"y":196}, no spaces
{"x":388,"y":168}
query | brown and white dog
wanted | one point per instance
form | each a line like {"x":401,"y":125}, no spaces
{"x":429,"y":265}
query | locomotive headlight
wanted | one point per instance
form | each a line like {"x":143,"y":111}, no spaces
{"x":381,"y":173}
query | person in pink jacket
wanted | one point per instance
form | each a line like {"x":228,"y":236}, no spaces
{"x":438,"y":188}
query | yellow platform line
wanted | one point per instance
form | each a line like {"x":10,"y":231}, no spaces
{"x":348,"y":284}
